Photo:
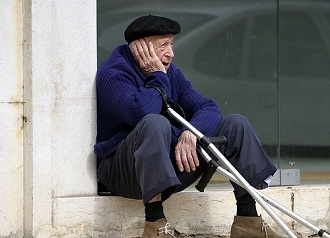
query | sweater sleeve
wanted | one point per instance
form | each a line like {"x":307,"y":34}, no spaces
{"x":202,"y":113}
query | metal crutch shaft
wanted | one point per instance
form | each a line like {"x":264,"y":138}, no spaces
{"x":315,"y":229}
{"x":204,"y":140}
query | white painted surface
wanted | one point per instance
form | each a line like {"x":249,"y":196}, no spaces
{"x":73,"y":108}
{"x":11,"y":109}
{"x":57,"y":68}
{"x":11,"y":169}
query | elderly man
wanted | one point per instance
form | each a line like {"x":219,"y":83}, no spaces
{"x":142,"y":154}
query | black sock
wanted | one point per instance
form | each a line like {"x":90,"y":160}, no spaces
{"x":246,"y":206}
{"x":154,"y":211}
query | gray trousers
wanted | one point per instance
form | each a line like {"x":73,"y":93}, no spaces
{"x":142,"y":167}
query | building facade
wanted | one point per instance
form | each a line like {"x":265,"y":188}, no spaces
{"x":49,"y":54}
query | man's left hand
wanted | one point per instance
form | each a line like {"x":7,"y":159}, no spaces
{"x":185,"y":152}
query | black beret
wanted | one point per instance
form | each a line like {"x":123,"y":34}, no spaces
{"x":151,"y":26}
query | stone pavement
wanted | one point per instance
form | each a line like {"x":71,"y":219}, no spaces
{"x":203,"y":236}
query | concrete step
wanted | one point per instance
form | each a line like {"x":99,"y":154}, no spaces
{"x":194,"y":214}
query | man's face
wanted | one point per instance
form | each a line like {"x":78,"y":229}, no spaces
{"x":163,"y":46}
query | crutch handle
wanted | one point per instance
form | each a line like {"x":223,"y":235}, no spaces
{"x":220,"y":140}
{"x":205,"y":179}
{"x":212,"y":166}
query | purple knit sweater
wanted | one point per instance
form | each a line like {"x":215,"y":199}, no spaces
{"x":123,"y":100}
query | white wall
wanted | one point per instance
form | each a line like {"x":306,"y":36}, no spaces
{"x":50,"y":48}
{"x":11,"y":108}
{"x":60,"y":108}
{"x":73,"y":106}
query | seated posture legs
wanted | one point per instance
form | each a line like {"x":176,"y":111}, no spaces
{"x":142,"y":168}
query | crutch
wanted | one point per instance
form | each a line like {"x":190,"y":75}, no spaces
{"x":318,"y":231}
{"x":236,"y":177}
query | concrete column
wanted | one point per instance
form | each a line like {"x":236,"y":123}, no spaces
{"x":37,"y":114}
{"x":11,"y":111}
{"x":59,"y":106}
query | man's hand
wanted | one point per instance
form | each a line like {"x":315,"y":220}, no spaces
{"x":185,"y":152}
{"x":145,"y":55}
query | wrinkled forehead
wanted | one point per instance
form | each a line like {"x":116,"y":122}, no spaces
{"x":160,"y":38}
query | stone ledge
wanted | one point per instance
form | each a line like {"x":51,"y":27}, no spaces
{"x":192,"y":212}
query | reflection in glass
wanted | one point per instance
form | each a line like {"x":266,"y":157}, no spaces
{"x":272,"y":67}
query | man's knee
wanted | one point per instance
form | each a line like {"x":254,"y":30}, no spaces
{"x":155,"y":123}
{"x":236,"y":119}
{"x":235,"y":125}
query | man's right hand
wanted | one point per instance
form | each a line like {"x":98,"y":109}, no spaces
{"x":144,"y":54}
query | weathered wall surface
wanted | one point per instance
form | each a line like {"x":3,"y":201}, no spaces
{"x":59,"y":95}
{"x":11,"y":111}
{"x":47,"y":105}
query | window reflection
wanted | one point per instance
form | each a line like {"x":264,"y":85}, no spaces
{"x":272,"y":67}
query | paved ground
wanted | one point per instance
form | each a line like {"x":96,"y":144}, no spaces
{"x":204,"y":236}
{"x":215,"y":236}
{"x":198,"y":236}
